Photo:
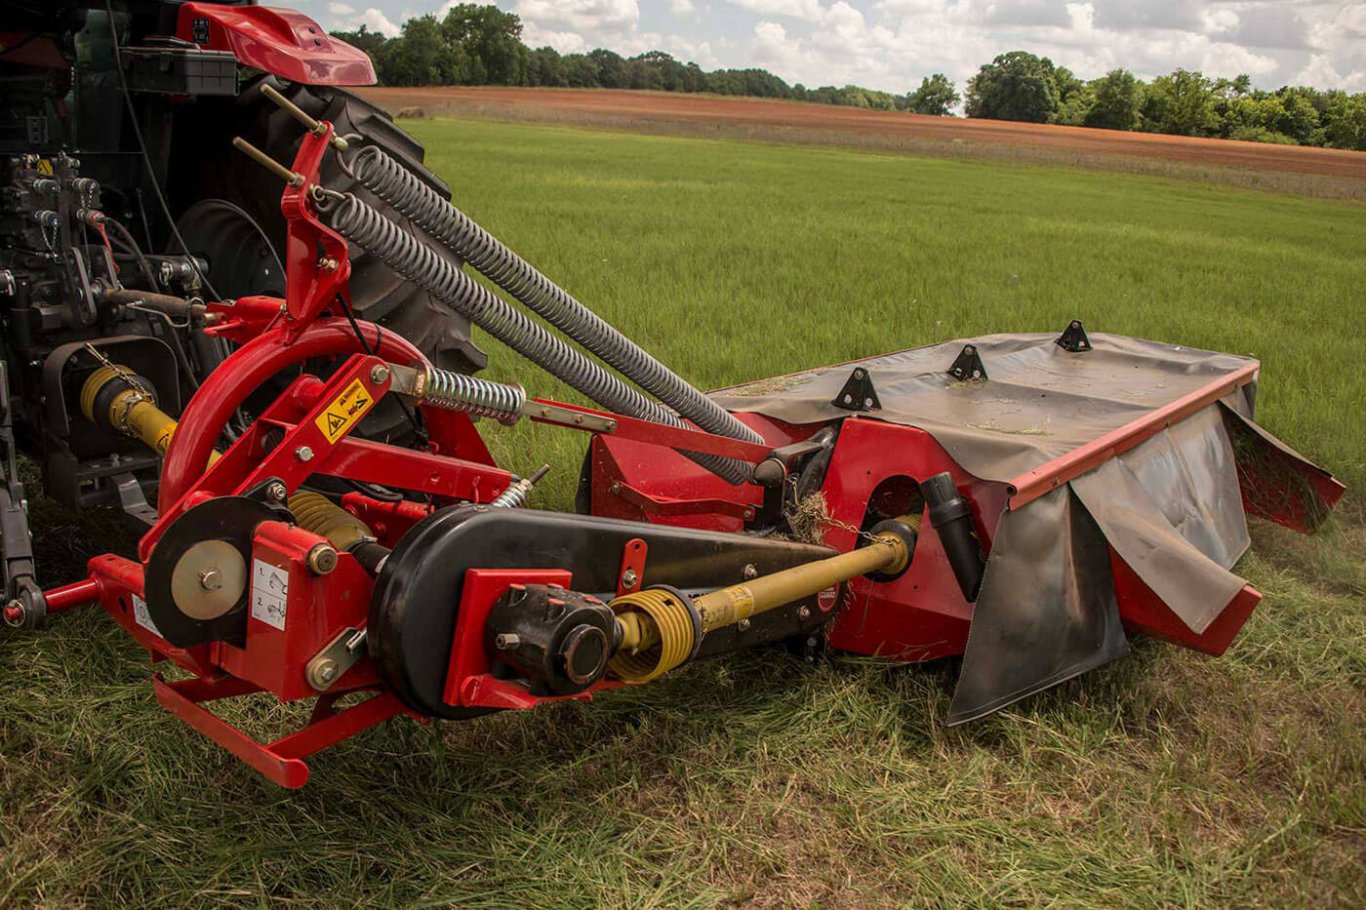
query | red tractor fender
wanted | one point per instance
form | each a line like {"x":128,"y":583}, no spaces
{"x":282,"y":42}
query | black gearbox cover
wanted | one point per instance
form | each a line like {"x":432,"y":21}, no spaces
{"x":417,"y":595}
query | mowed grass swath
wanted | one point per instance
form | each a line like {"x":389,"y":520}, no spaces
{"x":1163,"y":779}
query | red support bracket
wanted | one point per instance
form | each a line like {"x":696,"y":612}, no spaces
{"x":467,"y":674}
{"x":631,"y":578}
{"x":282,"y":760}
{"x":689,"y":439}
{"x":668,"y":506}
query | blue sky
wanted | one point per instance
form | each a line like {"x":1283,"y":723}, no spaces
{"x":891,"y":44}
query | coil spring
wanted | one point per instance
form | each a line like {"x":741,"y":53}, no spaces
{"x":457,"y":392}
{"x":514,"y":497}
{"x":420,"y":264}
{"x":677,"y":638}
{"x":398,"y":186}
{"x":315,"y":512}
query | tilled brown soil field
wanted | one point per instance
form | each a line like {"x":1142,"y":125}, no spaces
{"x":879,"y":129}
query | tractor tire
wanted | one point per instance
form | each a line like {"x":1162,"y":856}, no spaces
{"x":216,"y":170}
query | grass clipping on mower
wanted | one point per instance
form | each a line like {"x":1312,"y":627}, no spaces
{"x":810,"y":518}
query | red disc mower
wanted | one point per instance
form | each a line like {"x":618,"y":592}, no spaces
{"x":1024,"y":501}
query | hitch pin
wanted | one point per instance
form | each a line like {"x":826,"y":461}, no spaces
{"x":293,"y":178}
{"x":298,"y":113}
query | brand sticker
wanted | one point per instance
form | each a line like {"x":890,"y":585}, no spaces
{"x":269,"y":593}
{"x":45,"y":166}
{"x":143,"y":618}
{"x":826,"y":599}
{"x":344,"y":413}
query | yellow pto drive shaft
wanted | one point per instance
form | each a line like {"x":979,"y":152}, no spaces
{"x":114,"y":396}
{"x":660,"y":630}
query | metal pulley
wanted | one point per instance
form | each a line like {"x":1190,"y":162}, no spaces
{"x":196,"y":583}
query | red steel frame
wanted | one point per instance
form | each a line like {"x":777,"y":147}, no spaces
{"x":275,"y":335}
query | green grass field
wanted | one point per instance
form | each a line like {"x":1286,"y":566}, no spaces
{"x":1167,"y":779}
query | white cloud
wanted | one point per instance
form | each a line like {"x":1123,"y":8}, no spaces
{"x":374,"y":19}
{"x":770,"y":38}
{"x":808,"y":10}
{"x":1229,"y":60}
{"x":1320,"y":72}
{"x":618,"y":17}
{"x":1220,"y":21}
{"x":682,"y":7}
{"x":565,"y":42}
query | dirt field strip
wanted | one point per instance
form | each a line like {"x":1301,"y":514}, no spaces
{"x":589,"y":105}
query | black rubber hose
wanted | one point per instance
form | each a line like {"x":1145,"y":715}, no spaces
{"x":951,"y":517}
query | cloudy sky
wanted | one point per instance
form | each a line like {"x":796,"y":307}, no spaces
{"x":890,"y":44}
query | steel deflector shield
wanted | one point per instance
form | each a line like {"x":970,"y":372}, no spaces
{"x":1047,"y":609}
{"x":1173,"y":511}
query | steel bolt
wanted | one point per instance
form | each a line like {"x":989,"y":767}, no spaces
{"x":379,"y":374}
{"x":804,"y":613}
{"x":326,"y":671}
{"x":506,"y":641}
{"x":211,"y":579}
{"x":276,"y":491}
{"x":303,"y":453}
{"x":629,"y":578}
{"x":750,"y":571}
{"x":322,"y":558}
{"x":742,"y":625}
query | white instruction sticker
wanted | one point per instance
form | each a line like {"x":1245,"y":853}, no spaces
{"x":269,"y":593}
{"x":143,"y":618}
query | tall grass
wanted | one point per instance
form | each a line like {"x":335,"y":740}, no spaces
{"x":1166,"y":779}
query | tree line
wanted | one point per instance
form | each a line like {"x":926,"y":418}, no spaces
{"x":482,"y":45}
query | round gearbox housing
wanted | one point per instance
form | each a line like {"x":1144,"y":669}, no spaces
{"x":557,"y":639}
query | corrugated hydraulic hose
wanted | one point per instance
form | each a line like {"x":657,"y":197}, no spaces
{"x":420,"y":264}
{"x":401,"y":188}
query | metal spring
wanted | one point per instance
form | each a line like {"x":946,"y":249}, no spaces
{"x":514,"y":497}
{"x":436,"y":274}
{"x":398,"y":186}
{"x":457,"y":392}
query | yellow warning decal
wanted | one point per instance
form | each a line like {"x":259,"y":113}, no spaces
{"x":45,"y":166}
{"x":344,"y":413}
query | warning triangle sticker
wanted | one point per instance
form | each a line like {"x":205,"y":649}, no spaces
{"x":335,"y":423}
